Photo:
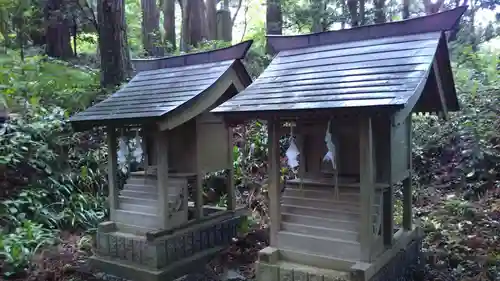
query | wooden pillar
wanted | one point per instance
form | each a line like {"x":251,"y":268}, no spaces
{"x":231,"y":199}
{"x":388,"y":195}
{"x":407,"y":183}
{"x":367,"y":187}
{"x":200,"y":174}
{"x":161,"y":150}
{"x":274,"y":179}
{"x":112,"y":172}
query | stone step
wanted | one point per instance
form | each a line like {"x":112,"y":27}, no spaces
{"x":147,"y":209}
{"x":137,"y":201}
{"x":321,"y":231}
{"x":140,"y":187}
{"x":320,"y":222}
{"x":142,"y":194}
{"x":134,"y":229}
{"x":318,"y":261}
{"x":320,"y":194}
{"x":319,"y":245}
{"x":137,"y":218}
{"x":322,"y":213}
{"x":325,"y":203}
{"x":141,"y":181}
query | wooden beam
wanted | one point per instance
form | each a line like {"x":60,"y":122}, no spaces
{"x":439,"y":84}
{"x":161,"y":145}
{"x":367,"y":187}
{"x":231,"y":199}
{"x":388,"y":194}
{"x":112,"y":172}
{"x":407,"y":184}
{"x":274,"y":179}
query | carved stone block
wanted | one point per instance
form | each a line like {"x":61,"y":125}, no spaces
{"x":267,"y":272}
{"x":286,"y":274}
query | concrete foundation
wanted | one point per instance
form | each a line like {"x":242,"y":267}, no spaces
{"x":165,"y":258}
{"x":398,"y":262}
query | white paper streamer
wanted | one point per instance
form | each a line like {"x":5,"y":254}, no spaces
{"x":122,"y":150}
{"x":330,"y":155}
{"x":292,"y":154}
{"x":138,"y":148}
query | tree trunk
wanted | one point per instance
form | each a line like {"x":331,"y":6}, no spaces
{"x":316,"y":9}
{"x":113,"y":46}
{"x":379,"y":11}
{"x":406,"y":9}
{"x":191,"y":34}
{"x":274,"y":19}
{"x":169,"y":24}
{"x":352,"y":6}
{"x":196,"y":22}
{"x":362,"y":17}
{"x":151,"y":28}
{"x":211,"y":15}
{"x":57,"y":30}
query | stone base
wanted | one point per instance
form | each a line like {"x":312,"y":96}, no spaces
{"x":135,"y":272}
{"x":398,"y":263}
{"x":165,"y":258}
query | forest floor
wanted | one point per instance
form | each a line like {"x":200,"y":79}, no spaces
{"x":461,"y":242}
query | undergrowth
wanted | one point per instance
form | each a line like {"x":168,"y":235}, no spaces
{"x":51,"y":178}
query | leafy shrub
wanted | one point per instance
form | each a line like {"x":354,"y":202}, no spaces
{"x":467,"y":147}
{"x":17,"y":248}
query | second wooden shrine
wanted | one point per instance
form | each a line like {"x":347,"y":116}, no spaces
{"x":349,"y":95}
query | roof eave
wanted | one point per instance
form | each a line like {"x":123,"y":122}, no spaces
{"x":238,"y":117}
{"x":443,"y":21}
{"x":234,"y":52}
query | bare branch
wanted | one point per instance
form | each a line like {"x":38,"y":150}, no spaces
{"x":236,"y":13}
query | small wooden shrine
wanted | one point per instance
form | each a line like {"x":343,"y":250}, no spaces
{"x":349,"y":96}
{"x":155,"y":232}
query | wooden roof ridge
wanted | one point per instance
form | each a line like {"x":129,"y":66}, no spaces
{"x":442,"y":21}
{"x":233,"y":52}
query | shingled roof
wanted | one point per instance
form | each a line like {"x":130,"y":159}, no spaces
{"x":166,"y":85}
{"x":388,"y":65}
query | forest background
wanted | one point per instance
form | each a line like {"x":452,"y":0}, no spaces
{"x":54,"y":62}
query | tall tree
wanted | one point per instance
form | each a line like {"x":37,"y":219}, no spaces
{"x":352,"y":6}
{"x":57,"y":30}
{"x":168,"y":7}
{"x":406,"y":9}
{"x":211,"y":15}
{"x":317,"y":8}
{"x":192,"y":30}
{"x":274,"y":19}
{"x":151,"y":28}
{"x":113,"y":46}
{"x":379,"y":11}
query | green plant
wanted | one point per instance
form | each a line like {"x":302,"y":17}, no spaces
{"x":18,"y":247}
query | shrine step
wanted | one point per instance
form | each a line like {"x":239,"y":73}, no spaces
{"x":147,"y":209}
{"x":349,"y":225}
{"x":327,"y":232}
{"x":325,"y":203}
{"x":322,"y":213}
{"x":316,"y":260}
{"x":321,"y":193}
{"x":319,"y":245}
{"x":143,"y":194}
{"x":137,"y":180}
{"x":136,"y":218}
{"x":134,"y":229}
{"x":140,"y":187}
{"x":137,"y":201}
